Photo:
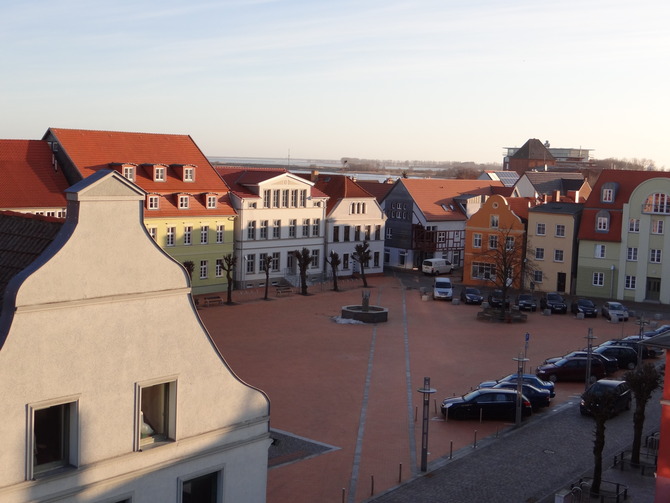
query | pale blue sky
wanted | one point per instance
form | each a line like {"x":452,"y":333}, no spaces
{"x":450,"y":80}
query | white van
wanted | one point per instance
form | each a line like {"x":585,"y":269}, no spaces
{"x":436,"y":266}
{"x":443,"y":289}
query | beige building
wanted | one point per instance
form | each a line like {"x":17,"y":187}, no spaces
{"x":552,"y":246}
{"x":112,"y":389}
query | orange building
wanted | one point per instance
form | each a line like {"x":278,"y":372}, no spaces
{"x":495,"y":242}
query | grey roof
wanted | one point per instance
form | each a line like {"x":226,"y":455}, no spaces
{"x":558,"y":207}
{"x":546,"y":182}
{"x":662,"y":341}
{"x":533,"y":149}
{"x":23,"y":237}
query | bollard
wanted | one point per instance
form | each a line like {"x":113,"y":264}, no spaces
{"x":400,"y":473}
{"x":435,"y":404}
{"x":481,"y":415}
{"x":416,"y":413}
{"x":451,"y":449}
{"x":372,"y":485}
{"x":474,"y":446}
{"x":344,"y":492}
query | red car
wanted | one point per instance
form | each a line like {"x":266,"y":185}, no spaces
{"x":570,"y":369}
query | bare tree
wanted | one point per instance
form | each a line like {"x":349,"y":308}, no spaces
{"x":304,"y":259}
{"x":334,"y":262}
{"x":229,"y":262}
{"x":266,"y":265}
{"x":505,"y":258}
{"x":643,"y":381}
{"x":362,"y":256}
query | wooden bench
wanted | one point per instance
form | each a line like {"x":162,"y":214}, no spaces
{"x":281,"y":289}
{"x":214,"y":300}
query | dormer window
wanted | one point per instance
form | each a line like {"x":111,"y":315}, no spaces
{"x":153,"y":202}
{"x":189,"y":174}
{"x":603,"y":221}
{"x":159,"y":173}
{"x":183,"y":202}
{"x":211,"y":202}
{"x":608,"y":192}
{"x":129,"y":173}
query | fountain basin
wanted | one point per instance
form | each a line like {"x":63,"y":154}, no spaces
{"x":371,"y":314}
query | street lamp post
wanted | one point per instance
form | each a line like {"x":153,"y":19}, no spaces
{"x":519,"y":386}
{"x":426,"y":391}
{"x":589,"y":352}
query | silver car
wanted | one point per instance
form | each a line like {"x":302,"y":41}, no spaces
{"x":616,"y":310}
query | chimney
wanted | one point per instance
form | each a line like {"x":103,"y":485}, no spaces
{"x":314,"y":176}
{"x":557,"y":195}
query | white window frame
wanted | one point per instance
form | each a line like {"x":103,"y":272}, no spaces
{"x":70,"y":436}
{"x":603,"y":224}
{"x":153,"y":232}
{"x":211,"y":202}
{"x":204,"y":269}
{"x":509,"y":243}
{"x":251,"y":263}
{"x":183,"y":202}
{"x":204,"y":235}
{"x":165,"y":432}
{"x":153,"y":202}
{"x":170,"y":236}
{"x":634,"y":225}
{"x":539,"y":253}
{"x":293,"y":228}
{"x":560,"y":230}
{"x":476,"y":240}
{"x":657,"y":226}
{"x":493,"y":241}
{"x":220,"y":233}
{"x":129,"y":173}
{"x":218,"y":268}
{"x":608,"y":195}
{"x":189,"y":174}
{"x":188,"y":235}
{"x":599,"y":251}
{"x":630,"y":282}
{"x":537,"y":276}
{"x":314,"y":264}
{"x":540,"y":229}
{"x":389,"y":233}
{"x":598,"y":279}
{"x":655,"y":255}
{"x":264,"y":229}
{"x":494,"y":221}
{"x":251,"y":229}
{"x":631,"y":254}
{"x":159,"y":173}
{"x":559,"y":256}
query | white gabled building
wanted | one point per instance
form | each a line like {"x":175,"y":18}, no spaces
{"x":112,"y":389}
{"x":279,"y":212}
{"x":353,"y":216}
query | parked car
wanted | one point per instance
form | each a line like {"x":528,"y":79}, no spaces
{"x":537,"y":397}
{"x":487,"y":403}
{"x":626,"y":356}
{"x":615,"y":309}
{"x":525,"y":302}
{"x":633,"y":341}
{"x":435,"y":266}
{"x":657,"y":331}
{"x":554,"y":302}
{"x":443,"y":289}
{"x":619,"y":389}
{"x":470,"y":295}
{"x":571,"y":369}
{"x":526,"y":378}
{"x":585,"y":306}
{"x":611,"y":364}
{"x":496,"y":298}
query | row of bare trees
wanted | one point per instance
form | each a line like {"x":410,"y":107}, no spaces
{"x":303,"y":258}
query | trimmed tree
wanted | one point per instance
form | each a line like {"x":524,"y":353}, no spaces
{"x":362,"y":255}
{"x":643,"y":381}
{"x":266,"y":264}
{"x":304,"y":259}
{"x":229,"y":262}
{"x":190,"y":266}
{"x":602,"y":408}
{"x":334,"y":263}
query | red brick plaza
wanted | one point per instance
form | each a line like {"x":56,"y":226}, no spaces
{"x":354,"y":387}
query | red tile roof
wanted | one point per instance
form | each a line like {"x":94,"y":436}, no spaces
{"x":91,"y":151}
{"x":29,"y":179}
{"x":627,"y":181}
{"x":338,"y":187}
{"x":434,"y":196}
{"x":240,"y":178}
{"x":377,"y":189}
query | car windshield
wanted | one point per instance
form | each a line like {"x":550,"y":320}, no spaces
{"x":561,"y":362}
{"x":525,"y":297}
{"x":442,"y":284}
{"x":471,"y":395}
{"x":554,"y":296}
{"x":615,"y":306}
{"x":586,"y":303}
{"x":472,"y":291}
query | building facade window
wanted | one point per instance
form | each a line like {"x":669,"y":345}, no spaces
{"x":53,"y":439}
{"x":267,"y":195}
{"x":368,"y":233}
{"x":598,"y":279}
{"x":402,"y":257}
{"x":378,"y":232}
{"x":153,"y":232}
{"x":495,"y":221}
{"x":316,"y":227}
{"x":599,"y":251}
{"x":345,"y":261}
{"x":657,"y":203}
{"x":284,"y":198}
{"x":183,"y":202}
{"x":153,"y":202}
{"x":211,"y":202}
{"x":631,"y":254}
{"x":159,"y":173}
{"x":602,"y":224}
{"x":204,"y":235}
{"x":634,"y":225}
{"x":560,"y":230}
{"x":219,"y":233}
{"x":203,"y":269}
{"x":493,"y":241}
{"x":303,"y":198}
{"x":483,"y":270}
{"x":189,"y":174}
{"x":476,"y":240}
{"x":274,"y":264}
{"x":218,"y":270}
{"x":630,"y":282}
{"x":206,"y":488}
{"x":188,"y":230}
{"x":375,"y":259}
{"x":357,"y":233}
{"x":129,"y":173}
{"x":251,"y":229}
{"x":170,"y":236}
{"x":305,"y":227}
{"x":276,"y":229}
{"x":389,"y":233}
{"x":558,"y":255}
{"x":251,"y":263}
{"x":275,"y":198}
{"x":509,"y":243}
{"x":347,"y":231}
{"x":292,"y":227}
{"x":336,"y":233}
{"x":657,"y":226}
{"x":387,"y":256}
{"x":264,"y":229}
{"x":540,"y":229}
{"x":537,"y":276}
{"x":315,"y":259}
{"x":539,"y":253}
{"x":157,"y":412}
{"x":608,"y":195}
{"x":294,"y":198}
{"x":655,"y":256}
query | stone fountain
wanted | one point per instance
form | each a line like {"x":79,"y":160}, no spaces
{"x":365,"y":312}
